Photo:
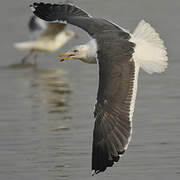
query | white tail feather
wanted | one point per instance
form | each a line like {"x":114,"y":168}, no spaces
{"x":150,"y":52}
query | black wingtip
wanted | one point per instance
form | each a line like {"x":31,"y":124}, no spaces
{"x":57,"y":12}
{"x":45,"y":11}
{"x":102,"y":158}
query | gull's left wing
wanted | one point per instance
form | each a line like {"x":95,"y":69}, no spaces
{"x":115,"y":100}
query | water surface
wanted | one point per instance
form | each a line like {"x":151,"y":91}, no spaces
{"x":46,"y":114}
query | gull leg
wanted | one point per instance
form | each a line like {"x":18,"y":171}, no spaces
{"x":35,"y":59}
{"x":23,"y":60}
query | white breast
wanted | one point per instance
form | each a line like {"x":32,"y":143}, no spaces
{"x":92,"y":52}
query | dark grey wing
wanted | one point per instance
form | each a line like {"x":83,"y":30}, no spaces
{"x":53,"y":29}
{"x":72,"y":14}
{"x":112,"y":128}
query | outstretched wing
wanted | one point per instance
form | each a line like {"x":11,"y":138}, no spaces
{"x":37,"y":27}
{"x":53,"y":29}
{"x":115,"y":101}
{"x":36,"y":24}
{"x":69,"y":13}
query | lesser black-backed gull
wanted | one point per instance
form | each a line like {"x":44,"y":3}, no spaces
{"x":44,"y":37}
{"x":119,"y":55}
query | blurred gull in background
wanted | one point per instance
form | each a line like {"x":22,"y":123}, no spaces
{"x":44,"y":37}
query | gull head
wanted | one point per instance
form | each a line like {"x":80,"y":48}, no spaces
{"x":78,"y":52}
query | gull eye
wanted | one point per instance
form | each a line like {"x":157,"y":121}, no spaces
{"x":75,"y":50}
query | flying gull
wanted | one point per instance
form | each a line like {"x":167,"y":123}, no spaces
{"x":119,"y":55}
{"x":45,"y":37}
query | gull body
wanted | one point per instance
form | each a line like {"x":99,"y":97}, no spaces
{"x":119,"y":55}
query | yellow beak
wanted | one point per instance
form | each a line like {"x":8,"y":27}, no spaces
{"x":65,"y":56}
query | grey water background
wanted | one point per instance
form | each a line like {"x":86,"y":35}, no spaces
{"x":46,"y":114}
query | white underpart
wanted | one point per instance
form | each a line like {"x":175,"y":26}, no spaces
{"x":46,"y":44}
{"x":92,"y":50}
{"x":88,"y":52}
{"x":150,"y":51}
